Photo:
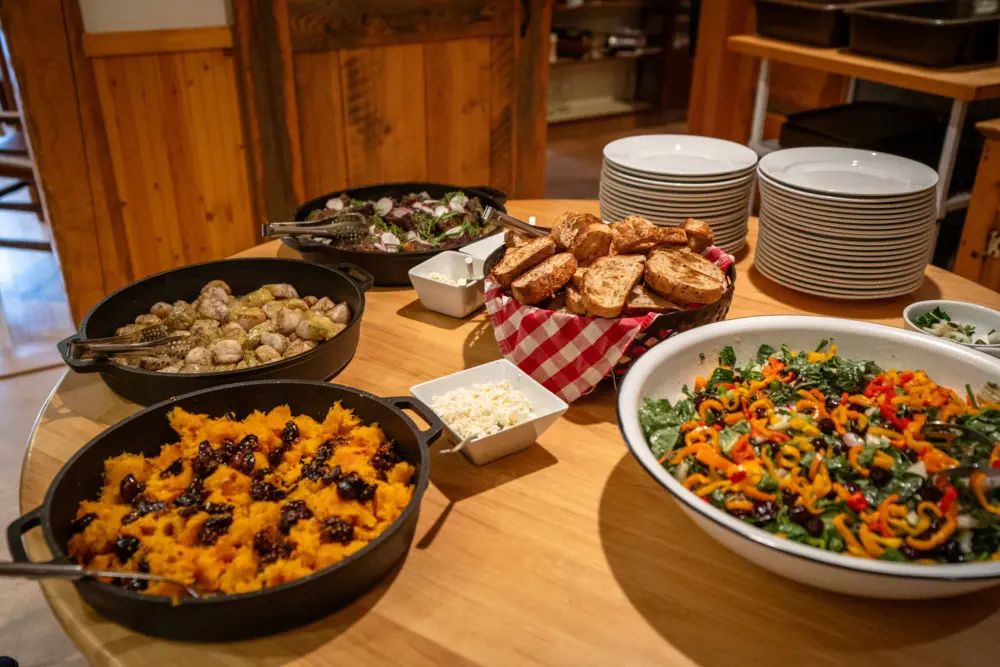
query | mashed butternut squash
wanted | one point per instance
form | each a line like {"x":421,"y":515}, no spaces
{"x":236,"y":506}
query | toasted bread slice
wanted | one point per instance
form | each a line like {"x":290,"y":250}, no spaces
{"x":518,"y":260}
{"x":699,"y":234}
{"x":636,"y":234}
{"x":593,"y":242}
{"x":568,"y":225}
{"x":683,"y":276}
{"x":578,"y":275}
{"x":514,"y":239}
{"x":641,"y":301}
{"x":574,"y":301}
{"x":542,"y":281}
{"x":607,"y":285}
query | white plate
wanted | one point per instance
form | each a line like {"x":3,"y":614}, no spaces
{"x":843,"y":295}
{"x":693,"y":179}
{"x":680,"y":155}
{"x":662,"y":372}
{"x":832,"y":211}
{"x":698,"y":186}
{"x":846,"y":230}
{"x":847,"y":246}
{"x":877,"y":260}
{"x":850,"y":219}
{"x":982,"y":318}
{"x":679,"y":207}
{"x":827,"y":203}
{"x":715,"y":196}
{"x":612,"y":212}
{"x":845,"y":277}
{"x":848,"y":171}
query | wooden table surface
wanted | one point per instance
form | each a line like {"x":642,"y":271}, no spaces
{"x":564,"y":554}
{"x":974,"y":82}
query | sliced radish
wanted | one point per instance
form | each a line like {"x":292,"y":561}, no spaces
{"x":399,"y":212}
{"x":334,"y":204}
{"x":383,"y":206}
{"x":454,"y":231}
{"x":440,"y":210}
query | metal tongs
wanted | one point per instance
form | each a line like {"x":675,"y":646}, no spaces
{"x":76,"y":572}
{"x":143,"y":343}
{"x":342,"y":227}
{"x":490,"y":214}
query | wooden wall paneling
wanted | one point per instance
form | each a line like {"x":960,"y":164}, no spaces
{"x":115,"y":264}
{"x":320,"y":102}
{"x":533,"y":25}
{"x":459,"y":108}
{"x":502,"y":131}
{"x":327,"y":25}
{"x":269,"y":107}
{"x":384,"y":113}
{"x":100,"y":44}
{"x":983,"y":216}
{"x":38,"y":51}
{"x":723,"y":81}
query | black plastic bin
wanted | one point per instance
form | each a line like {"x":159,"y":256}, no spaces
{"x":933,"y":33}
{"x":813,"y":23}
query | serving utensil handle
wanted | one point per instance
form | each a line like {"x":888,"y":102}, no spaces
{"x":42,"y":570}
{"x":491,"y":214}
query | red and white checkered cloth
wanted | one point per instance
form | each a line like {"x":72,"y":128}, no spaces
{"x":568,"y":354}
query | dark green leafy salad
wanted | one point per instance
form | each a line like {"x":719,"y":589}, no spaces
{"x":830,"y":452}
{"x":412,"y":223}
{"x":938,"y":323}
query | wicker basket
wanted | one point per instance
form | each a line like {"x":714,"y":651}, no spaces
{"x":664,"y":325}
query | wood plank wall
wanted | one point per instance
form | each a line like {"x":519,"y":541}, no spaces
{"x":171,"y":114}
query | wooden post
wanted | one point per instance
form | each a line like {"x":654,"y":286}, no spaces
{"x":983,"y":216}
{"x":263,"y":56}
{"x":531,"y":123}
{"x":723,"y":81}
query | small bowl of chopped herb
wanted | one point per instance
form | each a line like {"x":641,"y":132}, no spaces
{"x":964,"y":323}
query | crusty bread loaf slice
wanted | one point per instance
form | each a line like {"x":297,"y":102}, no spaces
{"x":574,"y":301}
{"x":542,"y":281}
{"x":518,"y":260}
{"x":700,"y":235}
{"x":513,"y":239}
{"x":592,"y":242}
{"x":578,"y":275}
{"x":608,"y":283}
{"x":641,"y":301}
{"x":568,"y":225}
{"x":683,"y":276}
{"x":636,"y":234}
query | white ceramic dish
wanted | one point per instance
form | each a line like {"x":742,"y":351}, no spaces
{"x":677,"y":208}
{"x":547,"y":408}
{"x":982,"y":317}
{"x":837,"y":228}
{"x":848,"y":171}
{"x":624,"y":178}
{"x":680,"y":154}
{"x":810,"y":202}
{"x":873,"y":202}
{"x":665,"y":368}
{"x":837,"y":280}
{"x":715,"y":196}
{"x":852,"y":217}
{"x":830,"y":267}
{"x":679,"y":178}
{"x":452,"y":300}
{"x":482,"y":249}
{"x":795,"y":283}
{"x":844,"y":260}
{"x":874,"y":248}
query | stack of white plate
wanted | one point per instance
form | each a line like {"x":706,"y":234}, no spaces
{"x":845,"y":223}
{"x":669,"y":178}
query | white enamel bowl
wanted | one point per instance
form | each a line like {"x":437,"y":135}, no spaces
{"x":666,"y":368}
{"x":981,"y":317}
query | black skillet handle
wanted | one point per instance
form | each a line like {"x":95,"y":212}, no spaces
{"x":16,"y":531}
{"x":358,"y":276}
{"x":499,"y":196}
{"x":78,"y":365}
{"x":436,"y":425}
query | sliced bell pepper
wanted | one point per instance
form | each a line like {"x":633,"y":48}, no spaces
{"x":857,"y":502}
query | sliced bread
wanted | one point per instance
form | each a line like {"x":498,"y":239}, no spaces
{"x":608,"y":283}
{"x":641,"y":301}
{"x":683,"y":276}
{"x":542,"y":281}
{"x":700,"y":235}
{"x":568,"y":225}
{"x":518,"y":260}
{"x":593,"y":242}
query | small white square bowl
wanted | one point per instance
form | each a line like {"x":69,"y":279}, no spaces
{"x":547,"y":408}
{"x":443,"y":298}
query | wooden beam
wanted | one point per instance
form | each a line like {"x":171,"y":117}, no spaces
{"x":983,"y":216}
{"x":533,"y":25}
{"x":103,"y":44}
{"x":723,"y":81}
{"x":37,"y":49}
{"x":329,"y":25}
{"x":263,"y":55}
{"x":116,"y":264}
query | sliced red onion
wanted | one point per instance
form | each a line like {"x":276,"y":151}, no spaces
{"x":852,"y":440}
{"x":389,"y":238}
{"x":334,"y":204}
{"x":421,"y":207}
{"x":454,"y":231}
{"x":440,"y":210}
{"x":456,"y":207}
{"x":383,"y":206}
{"x":458,"y":202}
{"x":399,"y":212}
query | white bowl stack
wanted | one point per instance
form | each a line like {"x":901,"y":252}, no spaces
{"x":668,"y":178}
{"x":844,"y":223}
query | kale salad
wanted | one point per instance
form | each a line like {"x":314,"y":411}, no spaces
{"x":830,"y":452}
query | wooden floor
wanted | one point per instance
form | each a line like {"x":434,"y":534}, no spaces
{"x":574,"y":155}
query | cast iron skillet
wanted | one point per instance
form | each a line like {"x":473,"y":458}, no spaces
{"x":264,"y":612}
{"x":343,"y":282}
{"x":389,"y":268}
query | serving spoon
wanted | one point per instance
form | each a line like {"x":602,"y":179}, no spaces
{"x":945,"y":432}
{"x":77,"y":572}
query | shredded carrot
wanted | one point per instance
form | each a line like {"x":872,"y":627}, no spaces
{"x":852,"y":458}
{"x":976,"y":484}
{"x":853,"y":546}
{"x":709,"y":405}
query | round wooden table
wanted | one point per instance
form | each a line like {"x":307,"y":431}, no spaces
{"x":564,"y":554}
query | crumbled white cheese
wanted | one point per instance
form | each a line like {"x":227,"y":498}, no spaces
{"x":441,"y":278}
{"x":483,"y":409}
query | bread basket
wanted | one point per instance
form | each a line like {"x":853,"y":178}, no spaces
{"x":568,"y":370}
